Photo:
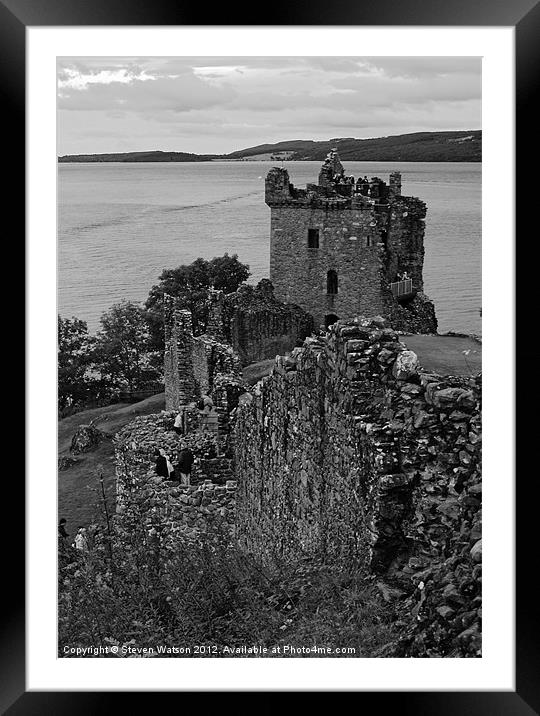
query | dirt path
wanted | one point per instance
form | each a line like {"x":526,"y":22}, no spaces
{"x":76,"y":502}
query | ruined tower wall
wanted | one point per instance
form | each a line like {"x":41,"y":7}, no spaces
{"x":180,"y":381}
{"x":259,"y":326}
{"x":368,"y":234}
{"x":349,"y":244}
{"x":191,"y":364}
{"x":405,"y":239}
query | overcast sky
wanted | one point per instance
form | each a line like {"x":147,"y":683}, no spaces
{"x":221,"y":104}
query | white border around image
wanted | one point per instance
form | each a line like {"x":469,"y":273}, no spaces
{"x":495,"y":670}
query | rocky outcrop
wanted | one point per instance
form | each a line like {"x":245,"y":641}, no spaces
{"x":87,"y":438}
{"x":416,"y":316}
{"x":65,"y":462}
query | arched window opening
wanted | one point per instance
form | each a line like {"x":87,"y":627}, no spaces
{"x":330,"y":319}
{"x":313,"y":238}
{"x":331,"y":282}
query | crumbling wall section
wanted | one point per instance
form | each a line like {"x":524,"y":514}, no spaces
{"x":204,"y":508}
{"x":180,"y":382}
{"x":258,"y":326}
{"x":351,"y":452}
{"x":191,"y":364}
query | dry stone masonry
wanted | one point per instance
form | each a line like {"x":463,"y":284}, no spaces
{"x":350,"y":451}
{"x":337,"y":246}
{"x":192,"y":362}
{"x":195,"y":510}
{"x":255,"y":323}
{"x":194,"y":366}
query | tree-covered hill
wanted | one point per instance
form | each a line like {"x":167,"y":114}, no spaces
{"x":417,"y":147}
{"x":463,"y":146}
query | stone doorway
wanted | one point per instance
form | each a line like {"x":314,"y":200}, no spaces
{"x":330,"y":319}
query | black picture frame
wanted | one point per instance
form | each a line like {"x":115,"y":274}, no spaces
{"x":524,"y":16}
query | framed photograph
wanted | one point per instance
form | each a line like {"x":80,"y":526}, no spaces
{"x":271,"y":319}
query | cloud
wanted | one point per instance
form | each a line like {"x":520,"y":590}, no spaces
{"x":139,"y":93}
{"x":218,"y":104}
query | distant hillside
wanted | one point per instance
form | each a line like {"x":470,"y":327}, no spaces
{"x":417,"y":147}
{"x":156,"y":156}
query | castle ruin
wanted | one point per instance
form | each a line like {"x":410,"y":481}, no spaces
{"x":349,"y":451}
{"x":343,"y":248}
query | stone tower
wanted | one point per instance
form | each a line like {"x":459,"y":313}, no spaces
{"x":340,"y":248}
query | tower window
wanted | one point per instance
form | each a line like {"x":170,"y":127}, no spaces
{"x":331,"y":282}
{"x":313,"y":238}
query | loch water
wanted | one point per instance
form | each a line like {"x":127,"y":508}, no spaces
{"x":121,"y":224}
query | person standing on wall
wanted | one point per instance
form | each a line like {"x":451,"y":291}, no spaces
{"x":205,"y":408}
{"x":164,"y":467}
{"x":81,"y":542}
{"x":184,"y":465}
{"x":179,"y":426}
{"x":62,"y":528}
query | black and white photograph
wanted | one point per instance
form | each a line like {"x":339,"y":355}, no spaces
{"x":269,"y":357}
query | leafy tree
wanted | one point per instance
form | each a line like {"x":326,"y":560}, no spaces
{"x":190,"y":283}
{"x":123,"y":353}
{"x":76,"y":384}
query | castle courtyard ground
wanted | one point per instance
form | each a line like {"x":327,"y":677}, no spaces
{"x":446,"y":354}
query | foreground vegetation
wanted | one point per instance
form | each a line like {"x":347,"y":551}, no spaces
{"x":137,"y":589}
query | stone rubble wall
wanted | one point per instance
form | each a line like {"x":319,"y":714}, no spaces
{"x":350,"y":451}
{"x":193,"y":513}
{"x":256,"y":324}
{"x":192,"y":364}
{"x":418,"y":317}
{"x":136,"y":443}
{"x":207,"y":506}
